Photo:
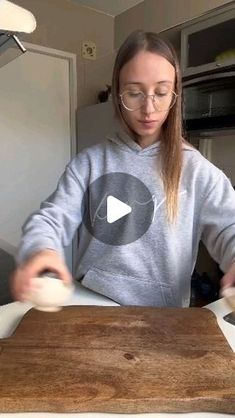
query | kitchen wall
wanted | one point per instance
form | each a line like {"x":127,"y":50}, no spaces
{"x":127,"y":22}
{"x":164,"y":14}
{"x":64,"y":24}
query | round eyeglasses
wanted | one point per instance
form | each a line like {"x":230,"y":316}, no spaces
{"x":134,"y":100}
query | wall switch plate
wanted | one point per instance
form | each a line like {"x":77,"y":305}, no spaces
{"x":89,"y":50}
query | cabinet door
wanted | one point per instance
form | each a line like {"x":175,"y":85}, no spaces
{"x":36,"y":135}
{"x":209,"y":44}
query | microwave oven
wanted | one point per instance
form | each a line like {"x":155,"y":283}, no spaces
{"x":209,"y":102}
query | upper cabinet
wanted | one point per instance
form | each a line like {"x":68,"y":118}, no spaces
{"x":209,"y":44}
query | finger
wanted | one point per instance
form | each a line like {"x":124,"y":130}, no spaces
{"x":14,"y":287}
{"x":65,"y":276}
{"x":37,"y":267}
{"x":24,"y":297}
{"x":32,"y":286}
{"x":227,"y":281}
{"x":61,"y":270}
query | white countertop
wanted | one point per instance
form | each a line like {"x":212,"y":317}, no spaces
{"x":11,"y":315}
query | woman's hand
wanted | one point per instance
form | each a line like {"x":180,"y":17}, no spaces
{"x":22,"y":279}
{"x":228,"y":280}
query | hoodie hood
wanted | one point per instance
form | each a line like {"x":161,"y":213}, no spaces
{"x":121,"y":138}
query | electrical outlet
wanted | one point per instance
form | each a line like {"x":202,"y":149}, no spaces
{"x":89,"y":50}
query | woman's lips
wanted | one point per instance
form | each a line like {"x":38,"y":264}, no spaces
{"x":148,"y":123}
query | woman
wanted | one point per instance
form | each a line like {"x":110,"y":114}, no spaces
{"x":173,"y":197}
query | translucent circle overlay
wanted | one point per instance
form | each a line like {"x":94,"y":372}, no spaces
{"x":127,"y":189}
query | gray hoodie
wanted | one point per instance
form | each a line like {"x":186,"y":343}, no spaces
{"x":154,"y":270}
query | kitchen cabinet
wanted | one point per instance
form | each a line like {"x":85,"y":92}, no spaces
{"x":208,"y":45}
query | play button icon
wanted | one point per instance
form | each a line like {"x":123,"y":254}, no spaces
{"x":116,"y":209}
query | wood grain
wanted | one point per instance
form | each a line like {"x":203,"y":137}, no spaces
{"x":117,"y":359}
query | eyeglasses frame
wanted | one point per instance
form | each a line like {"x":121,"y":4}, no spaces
{"x":153,"y":96}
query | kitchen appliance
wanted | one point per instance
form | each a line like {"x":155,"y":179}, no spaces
{"x":209,"y":103}
{"x":14,"y":20}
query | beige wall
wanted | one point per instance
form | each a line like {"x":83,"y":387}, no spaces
{"x":164,"y":14}
{"x":127,"y":22}
{"x":63,"y":24}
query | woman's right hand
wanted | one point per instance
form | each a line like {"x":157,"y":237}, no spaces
{"x":22,"y":279}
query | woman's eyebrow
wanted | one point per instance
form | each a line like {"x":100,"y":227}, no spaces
{"x":132,"y":82}
{"x":165,"y":81}
{"x":157,"y":82}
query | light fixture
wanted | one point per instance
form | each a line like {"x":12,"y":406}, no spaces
{"x":14,"y":20}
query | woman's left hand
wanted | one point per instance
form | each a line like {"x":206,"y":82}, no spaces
{"x":228,"y":280}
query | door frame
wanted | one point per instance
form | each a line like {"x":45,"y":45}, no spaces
{"x":72,"y":61}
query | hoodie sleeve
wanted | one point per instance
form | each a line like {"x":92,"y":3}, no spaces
{"x":54,"y":225}
{"x":218,"y":222}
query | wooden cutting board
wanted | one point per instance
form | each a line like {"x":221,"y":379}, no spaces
{"x":117,"y":359}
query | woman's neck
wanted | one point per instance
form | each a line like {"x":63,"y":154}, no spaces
{"x":147,"y":141}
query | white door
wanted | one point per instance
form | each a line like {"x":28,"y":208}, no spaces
{"x":37,"y":139}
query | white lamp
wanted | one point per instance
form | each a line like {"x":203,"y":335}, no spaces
{"x":15,"y":19}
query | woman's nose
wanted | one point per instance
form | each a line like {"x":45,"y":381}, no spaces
{"x":148,"y":105}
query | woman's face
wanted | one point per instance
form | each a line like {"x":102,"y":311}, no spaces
{"x":149,"y":73}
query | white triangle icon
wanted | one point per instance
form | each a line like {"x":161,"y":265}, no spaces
{"x":116,"y":209}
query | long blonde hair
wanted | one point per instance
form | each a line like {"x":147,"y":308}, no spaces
{"x":171,"y":148}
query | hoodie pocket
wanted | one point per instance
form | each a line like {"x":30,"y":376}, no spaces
{"x":129,"y":290}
